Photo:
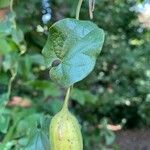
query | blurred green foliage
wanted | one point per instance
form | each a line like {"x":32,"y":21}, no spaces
{"x":116,"y":92}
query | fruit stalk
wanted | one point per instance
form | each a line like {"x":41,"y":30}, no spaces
{"x":65,"y":105}
{"x":65,"y":131}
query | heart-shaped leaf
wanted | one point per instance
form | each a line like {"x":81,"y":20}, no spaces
{"x":71,"y":50}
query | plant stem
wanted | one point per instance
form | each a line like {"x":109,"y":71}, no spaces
{"x":11,"y":10}
{"x":78,"y":9}
{"x":11,"y":5}
{"x":91,"y":8}
{"x":13,"y":75}
{"x":65,"y":106}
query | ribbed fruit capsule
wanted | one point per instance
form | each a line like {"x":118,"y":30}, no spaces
{"x":65,"y":132}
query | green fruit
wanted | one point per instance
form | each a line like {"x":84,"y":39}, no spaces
{"x":65,"y":132}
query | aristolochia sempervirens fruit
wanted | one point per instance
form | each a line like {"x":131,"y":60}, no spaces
{"x":65,"y":131}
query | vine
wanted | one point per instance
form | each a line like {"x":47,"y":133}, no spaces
{"x":78,"y":42}
{"x":91,"y":8}
{"x":78,"y":9}
{"x":13,"y":70}
{"x":13,"y":73}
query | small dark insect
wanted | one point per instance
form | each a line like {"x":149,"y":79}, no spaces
{"x":56,"y":62}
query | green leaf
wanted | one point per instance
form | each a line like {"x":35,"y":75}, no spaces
{"x":4,"y":78}
{"x":7,"y":146}
{"x":5,"y":28}
{"x":10,"y":61}
{"x":54,"y":106}
{"x":4,"y":119}
{"x":28,"y":124}
{"x":17,"y":35}
{"x":3,"y":99}
{"x":4,"y":46}
{"x":37,"y":59}
{"x":78,"y":96}
{"x":7,"y":24}
{"x":48,"y":88}
{"x":39,"y":141}
{"x":71,"y":50}
{"x":4,"y":3}
{"x":34,"y":133}
{"x":83,"y":96}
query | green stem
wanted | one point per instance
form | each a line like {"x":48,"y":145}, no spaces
{"x":11,"y":5}
{"x":65,"y":106}
{"x":13,"y":75}
{"x":78,"y":9}
{"x":91,"y":8}
{"x":11,"y":9}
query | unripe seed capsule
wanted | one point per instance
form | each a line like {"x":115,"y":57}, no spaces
{"x":65,"y":132}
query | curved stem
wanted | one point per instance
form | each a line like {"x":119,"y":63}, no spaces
{"x":78,"y":9}
{"x":11,"y":9}
{"x":11,"y":5}
{"x":65,"y":106}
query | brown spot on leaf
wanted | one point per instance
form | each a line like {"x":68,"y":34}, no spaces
{"x":56,"y":62}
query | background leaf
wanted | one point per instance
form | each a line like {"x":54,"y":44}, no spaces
{"x":39,"y":141}
{"x":4,"y":119}
{"x":34,"y":133}
{"x":4,"y":46}
{"x":4,"y":3}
